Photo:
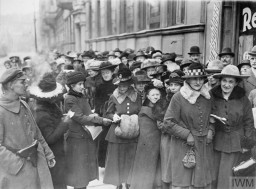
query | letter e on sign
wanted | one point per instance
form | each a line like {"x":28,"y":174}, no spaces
{"x":253,"y":20}
{"x":247,"y":19}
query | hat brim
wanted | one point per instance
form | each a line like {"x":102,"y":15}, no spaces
{"x":139,"y":56}
{"x":128,"y":82}
{"x":252,"y":53}
{"x":179,"y":82}
{"x":212,"y":71}
{"x":108,"y":67}
{"x":37,"y":93}
{"x":195,"y":76}
{"x":231,"y":54}
{"x":184,"y":65}
{"x":194,"y":53}
{"x":218,"y":76}
{"x":163,"y":61}
{"x":243,"y":64}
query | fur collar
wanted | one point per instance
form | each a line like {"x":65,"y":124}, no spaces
{"x":237,"y":92}
{"x":131,"y":94}
{"x":191,"y":95}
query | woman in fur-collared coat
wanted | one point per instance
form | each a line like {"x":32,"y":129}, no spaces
{"x":231,"y":103}
{"x":187,"y":120}
{"x":121,"y":152}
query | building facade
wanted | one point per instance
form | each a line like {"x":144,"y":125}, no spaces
{"x":168,"y":25}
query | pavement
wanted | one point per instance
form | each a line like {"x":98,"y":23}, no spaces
{"x":98,"y":184}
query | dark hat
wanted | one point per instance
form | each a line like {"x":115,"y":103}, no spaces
{"x":71,"y":54}
{"x":226,"y":51}
{"x":141,"y":76}
{"x":129,"y":50}
{"x":7,"y":62}
{"x":26,"y":58}
{"x":194,"y":50}
{"x":159,"y":70}
{"x":244,"y":62}
{"x":195,"y":70}
{"x":47,"y":88}
{"x":140,"y":53}
{"x":253,"y":51}
{"x":214,"y":66}
{"x":149,"y":87}
{"x":89,"y":54}
{"x":69,"y":68}
{"x":117,"y":50}
{"x":156,"y":51}
{"x":124,"y":75}
{"x":176,"y":77}
{"x":185,"y":63}
{"x":124,"y":54}
{"x":156,"y":54}
{"x":149,"y":48}
{"x":14,"y":57}
{"x":169,"y":56}
{"x":135,"y":65}
{"x":131,"y":56}
{"x":165,"y":76}
{"x":11,"y":75}
{"x":107,"y":65}
{"x":75,"y":77}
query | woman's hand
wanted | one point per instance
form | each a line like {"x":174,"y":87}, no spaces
{"x":116,"y":118}
{"x":106,"y":122}
{"x":190,"y":140}
{"x":209,"y":137}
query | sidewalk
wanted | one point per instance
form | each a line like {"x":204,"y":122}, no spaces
{"x":98,"y":184}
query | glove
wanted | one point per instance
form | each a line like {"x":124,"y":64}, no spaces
{"x":106,"y":122}
{"x":209,"y":137}
{"x":190,"y":140}
{"x":116,"y":118}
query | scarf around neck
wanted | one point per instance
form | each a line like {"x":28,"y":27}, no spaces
{"x":191,"y":95}
{"x":74,"y":93}
{"x":130,"y":93}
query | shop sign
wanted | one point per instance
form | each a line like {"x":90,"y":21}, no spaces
{"x":248,"y":18}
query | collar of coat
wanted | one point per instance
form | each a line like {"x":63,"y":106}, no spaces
{"x":131,"y":94}
{"x":191,"y":95}
{"x":237,"y":92}
{"x":146,"y":110}
{"x":10,"y":104}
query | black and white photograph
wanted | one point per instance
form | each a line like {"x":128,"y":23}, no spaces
{"x":127,"y":94}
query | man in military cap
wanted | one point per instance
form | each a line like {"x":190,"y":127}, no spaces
{"x":18,"y":131}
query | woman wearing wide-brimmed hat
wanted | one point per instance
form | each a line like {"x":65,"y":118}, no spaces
{"x":187,"y":120}
{"x":51,"y":122}
{"x":121,"y":151}
{"x":231,"y":104}
{"x":81,"y":155}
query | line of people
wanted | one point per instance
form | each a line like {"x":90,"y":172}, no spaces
{"x":161,"y":118}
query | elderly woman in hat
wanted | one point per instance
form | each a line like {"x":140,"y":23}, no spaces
{"x":146,"y":172}
{"x":51,"y":123}
{"x":121,"y":151}
{"x":18,"y":130}
{"x":213,"y":67}
{"x":187,"y":120}
{"x":235,"y":123}
{"x":82,"y":165}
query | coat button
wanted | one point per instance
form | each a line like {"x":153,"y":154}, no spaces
{"x":128,"y":103}
{"x":128,"y":112}
{"x":128,"y":107}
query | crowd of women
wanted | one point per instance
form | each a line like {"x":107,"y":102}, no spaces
{"x":167,"y":122}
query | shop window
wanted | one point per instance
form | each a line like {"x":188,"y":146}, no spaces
{"x":175,"y":12}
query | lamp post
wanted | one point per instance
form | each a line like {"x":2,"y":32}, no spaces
{"x":35,"y":27}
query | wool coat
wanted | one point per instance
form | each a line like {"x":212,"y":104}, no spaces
{"x":228,"y":138}
{"x":18,"y":130}
{"x":120,"y":152}
{"x":249,"y":84}
{"x":189,"y":112}
{"x":146,"y":172}
{"x":48,"y":117}
{"x":82,"y":165}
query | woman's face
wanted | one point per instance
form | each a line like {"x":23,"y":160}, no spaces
{"x":196,"y":83}
{"x":185,"y":70}
{"x":212,"y":80}
{"x":151,"y":71}
{"x":123,"y":88}
{"x":154,"y":95}
{"x":140,"y":58}
{"x":78,"y":87}
{"x":106,"y":75}
{"x":140,"y":86}
{"x":92,"y":73}
{"x":174,"y":87}
{"x":228,"y":84}
{"x":245,"y":70}
{"x":124,"y":60}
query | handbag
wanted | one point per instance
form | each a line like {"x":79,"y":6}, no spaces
{"x":189,"y":161}
{"x":128,"y":128}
